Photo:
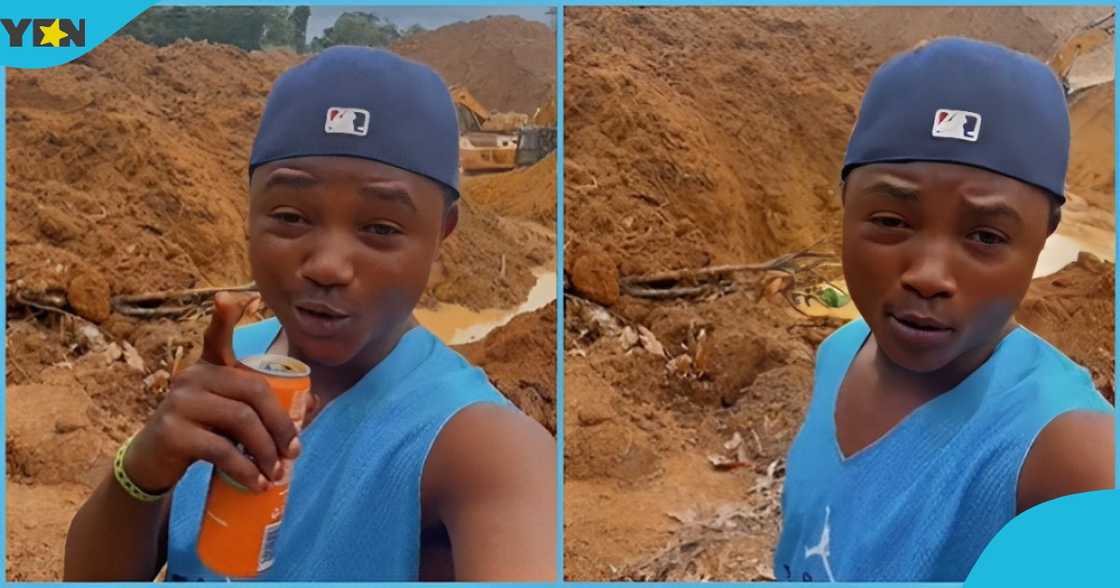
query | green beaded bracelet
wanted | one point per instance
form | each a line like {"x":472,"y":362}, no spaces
{"x":126,"y":483}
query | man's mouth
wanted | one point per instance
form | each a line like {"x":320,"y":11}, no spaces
{"x":320,"y":319}
{"x":920,"y":321}
{"x":919,"y":330}
{"x":321,"y":309}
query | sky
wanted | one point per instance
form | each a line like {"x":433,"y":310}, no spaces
{"x":429,"y":17}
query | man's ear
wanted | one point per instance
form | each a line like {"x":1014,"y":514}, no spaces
{"x":450,"y":219}
{"x":843,"y":192}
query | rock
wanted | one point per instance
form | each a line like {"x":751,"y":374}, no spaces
{"x":57,"y":226}
{"x":132,"y":358}
{"x":593,"y":411}
{"x":112,"y":353}
{"x":91,"y":337}
{"x":680,"y":366}
{"x":649,"y":342}
{"x":595,"y":276}
{"x":157,"y":380}
{"x":628,"y":338}
{"x":88,"y":294}
{"x":68,"y":424}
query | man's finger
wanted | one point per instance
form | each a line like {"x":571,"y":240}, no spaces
{"x":217,"y":343}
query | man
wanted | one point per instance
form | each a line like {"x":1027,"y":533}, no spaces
{"x":936,"y":417}
{"x":411,"y":465}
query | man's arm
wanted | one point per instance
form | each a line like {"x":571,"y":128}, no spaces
{"x":491,"y":481}
{"x":1074,"y":453}
{"x":116,"y":537}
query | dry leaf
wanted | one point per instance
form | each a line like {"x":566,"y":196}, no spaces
{"x":157,"y":380}
{"x":722,"y":462}
{"x":735,"y":442}
{"x":680,"y":365}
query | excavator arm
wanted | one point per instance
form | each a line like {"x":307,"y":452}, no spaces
{"x":1085,"y":41}
{"x":472,"y":114}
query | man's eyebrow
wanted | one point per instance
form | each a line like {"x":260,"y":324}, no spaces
{"x":893,"y":189}
{"x":389,"y":192}
{"x":288,"y":177}
{"x":994,"y":209}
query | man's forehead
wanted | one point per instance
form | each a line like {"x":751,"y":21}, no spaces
{"x":326,"y":169}
{"x":917,"y":175}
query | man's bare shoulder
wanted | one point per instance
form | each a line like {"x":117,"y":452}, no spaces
{"x":1074,"y":453}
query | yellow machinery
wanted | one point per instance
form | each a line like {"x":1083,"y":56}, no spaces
{"x":498,"y":149}
{"x":1084,"y":42}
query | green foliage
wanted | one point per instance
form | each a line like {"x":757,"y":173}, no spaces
{"x":247,"y":27}
{"x":298,"y":19}
{"x":834,"y":298}
{"x":261,"y":27}
{"x":357,"y":28}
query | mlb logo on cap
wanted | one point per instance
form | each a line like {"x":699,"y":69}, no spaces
{"x":347,"y":121}
{"x":956,"y":124}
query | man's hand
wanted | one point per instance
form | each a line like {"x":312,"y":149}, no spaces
{"x":211,"y":406}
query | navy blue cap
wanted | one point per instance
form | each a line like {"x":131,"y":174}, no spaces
{"x":365,"y":103}
{"x":963,"y":101}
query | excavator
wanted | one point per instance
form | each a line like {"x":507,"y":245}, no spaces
{"x":1083,"y":43}
{"x":491,"y":143}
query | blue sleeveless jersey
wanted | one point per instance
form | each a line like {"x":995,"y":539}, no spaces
{"x":922,"y":502}
{"x":353,"y":511}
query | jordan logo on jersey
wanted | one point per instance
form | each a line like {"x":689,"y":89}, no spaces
{"x":821,"y":549}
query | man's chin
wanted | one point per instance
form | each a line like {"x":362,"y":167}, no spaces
{"x":323,"y":352}
{"x":918,"y":362}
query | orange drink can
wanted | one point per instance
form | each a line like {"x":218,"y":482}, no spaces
{"x":240,"y":527}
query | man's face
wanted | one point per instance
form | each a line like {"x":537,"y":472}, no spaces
{"x":340,"y":249}
{"x":938,"y":256}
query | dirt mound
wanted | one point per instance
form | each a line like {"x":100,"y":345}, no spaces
{"x":126,"y":174}
{"x":528,"y":193}
{"x":470,"y":271}
{"x":520,"y":359}
{"x":132,"y":161}
{"x":127,"y":169}
{"x":507,"y":62}
{"x":697,"y":137}
{"x":883,"y":31}
{"x":1073,"y":310}
{"x":703,"y":160}
{"x":639,"y":433}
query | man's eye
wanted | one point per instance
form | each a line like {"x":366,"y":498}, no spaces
{"x":288,"y":217}
{"x":381,"y":229}
{"x":987,"y":237}
{"x":888,"y":222}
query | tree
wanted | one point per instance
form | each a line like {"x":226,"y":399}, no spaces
{"x":298,"y":18}
{"x":278,"y":30}
{"x":247,"y":27}
{"x":357,"y":28}
{"x":414,"y":30}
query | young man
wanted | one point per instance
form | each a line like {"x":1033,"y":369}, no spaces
{"x":936,"y":418}
{"x":412,"y":465}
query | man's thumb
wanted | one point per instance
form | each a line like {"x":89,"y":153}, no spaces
{"x":217,"y":343}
